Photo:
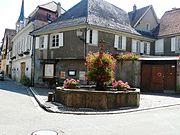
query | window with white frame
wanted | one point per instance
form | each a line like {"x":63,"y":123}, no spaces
{"x":92,"y":37}
{"x":41,"y":42}
{"x":136,"y":44}
{"x":56,"y":40}
{"x":159,"y":46}
{"x":120,"y":42}
{"x":173,"y":44}
{"x":146,"y":48}
{"x":178,"y":43}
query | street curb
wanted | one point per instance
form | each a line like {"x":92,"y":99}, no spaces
{"x":40,"y":101}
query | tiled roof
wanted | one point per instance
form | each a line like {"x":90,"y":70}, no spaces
{"x":170,"y":23}
{"x":93,"y":12}
{"x":134,"y":16}
{"x":149,"y":34}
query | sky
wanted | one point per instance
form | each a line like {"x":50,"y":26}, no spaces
{"x":10,"y":9}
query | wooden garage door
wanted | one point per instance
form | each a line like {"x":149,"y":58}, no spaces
{"x":157,"y":81}
{"x":170,"y":77}
{"x":156,"y":78}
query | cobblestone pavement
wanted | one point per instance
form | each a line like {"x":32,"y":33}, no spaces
{"x":147,"y":101}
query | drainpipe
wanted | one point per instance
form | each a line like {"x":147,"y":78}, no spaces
{"x":33,"y":58}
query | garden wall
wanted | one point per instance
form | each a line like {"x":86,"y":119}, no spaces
{"x":129,"y":71}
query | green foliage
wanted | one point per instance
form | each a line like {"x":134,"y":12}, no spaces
{"x":25,"y":81}
{"x":127,"y":56}
{"x":100,"y":67}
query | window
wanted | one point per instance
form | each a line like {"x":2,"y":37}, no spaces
{"x":178,"y":43}
{"x":159,"y":46}
{"x":136,"y":46}
{"x":56,"y":40}
{"x":173,"y":44}
{"x":146,"y":48}
{"x":71,"y":72}
{"x":49,"y":70}
{"x":120,"y":42}
{"x":41,"y":42}
{"x":92,"y":37}
{"x":147,"y":26}
{"x":49,"y":17}
{"x":138,"y":43}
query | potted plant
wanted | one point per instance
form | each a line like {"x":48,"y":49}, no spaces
{"x":120,"y":85}
{"x":71,"y":83}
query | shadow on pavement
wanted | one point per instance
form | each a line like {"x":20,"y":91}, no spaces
{"x":12,"y":86}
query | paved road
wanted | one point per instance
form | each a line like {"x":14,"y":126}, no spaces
{"x":20,"y":115}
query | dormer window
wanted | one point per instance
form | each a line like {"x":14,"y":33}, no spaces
{"x":49,"y":17}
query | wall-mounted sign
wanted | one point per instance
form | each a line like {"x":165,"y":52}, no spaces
{"x":62,"y":75}
{"x":71,"y":72}
{"x":49,"y":70}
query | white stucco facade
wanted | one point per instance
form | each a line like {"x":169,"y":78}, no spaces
{"x":22,"y":51}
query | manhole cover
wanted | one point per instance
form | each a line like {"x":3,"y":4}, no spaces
{"x":44,"y":132}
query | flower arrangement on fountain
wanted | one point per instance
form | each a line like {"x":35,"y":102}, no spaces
{"x":120,"y":85}
{"x":71,"y":83}
{"x":100,"y":68}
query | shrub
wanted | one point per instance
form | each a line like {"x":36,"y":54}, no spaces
{"x":71,"y":83}
{"x":128,"y":56}
{"x":25,"y":81}
{"x":100,"y":68}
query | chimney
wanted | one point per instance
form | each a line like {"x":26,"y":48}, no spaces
{"x":59,"y":9}
{"x":134,"y":8}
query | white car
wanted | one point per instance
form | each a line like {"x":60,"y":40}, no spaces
{"x":1,"y":75}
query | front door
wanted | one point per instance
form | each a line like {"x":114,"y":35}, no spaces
{"x":23,"y":65}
